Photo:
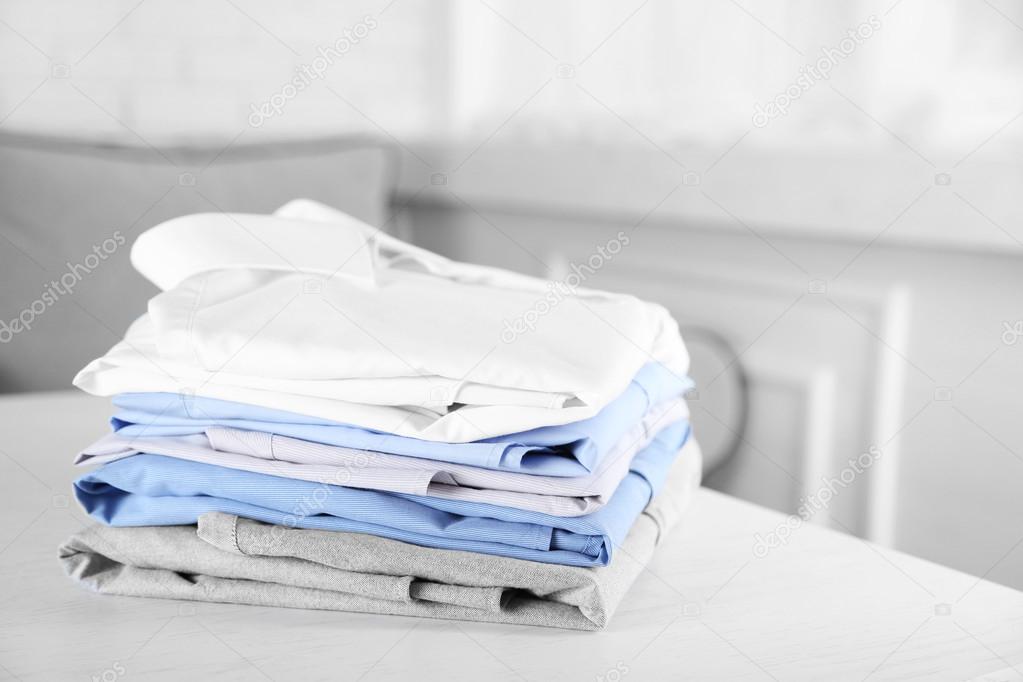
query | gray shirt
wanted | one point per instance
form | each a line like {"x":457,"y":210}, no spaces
{"x":229,"y":559}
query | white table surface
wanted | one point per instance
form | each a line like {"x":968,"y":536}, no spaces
{"x":823,"y":607}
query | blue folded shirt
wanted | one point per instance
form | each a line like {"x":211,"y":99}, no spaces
{"x":565,"y":450}
{"x":153,"y":490}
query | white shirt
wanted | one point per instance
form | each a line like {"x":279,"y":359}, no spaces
{"x":313,"y":312}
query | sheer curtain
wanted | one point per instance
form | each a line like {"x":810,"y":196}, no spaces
{"x":674,"y":72}
{"x":933,"y":74}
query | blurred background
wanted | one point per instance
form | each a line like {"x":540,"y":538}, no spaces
{"x":825,"y":195}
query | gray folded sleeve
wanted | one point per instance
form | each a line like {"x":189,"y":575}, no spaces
{"x":235,"y":560}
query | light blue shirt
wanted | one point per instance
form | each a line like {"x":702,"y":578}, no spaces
{"x":145,"y":490}
{"x":565,"y":450}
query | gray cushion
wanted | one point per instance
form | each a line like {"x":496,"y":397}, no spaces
{"x":60,"y":199}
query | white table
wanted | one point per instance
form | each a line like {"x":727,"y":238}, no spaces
{"x":823,"y":607}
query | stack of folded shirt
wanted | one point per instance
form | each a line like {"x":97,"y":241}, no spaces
{"x":314,"y":414}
